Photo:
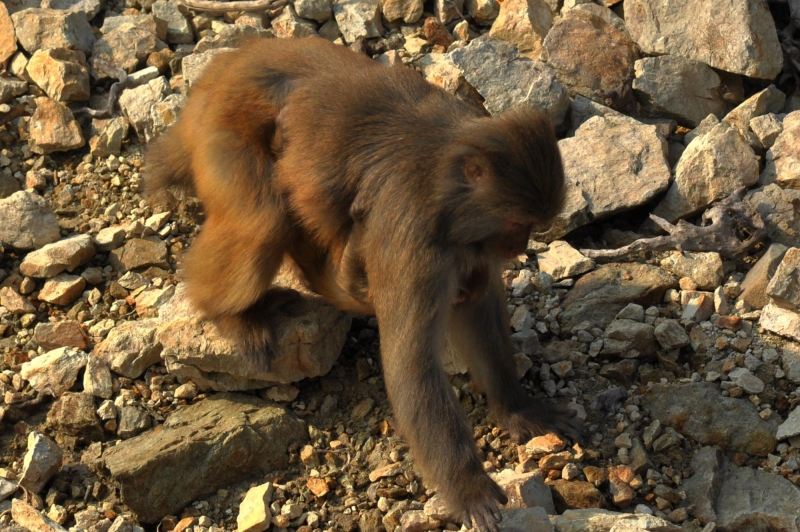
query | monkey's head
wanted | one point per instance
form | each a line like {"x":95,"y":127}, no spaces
{"x":508,"y":178}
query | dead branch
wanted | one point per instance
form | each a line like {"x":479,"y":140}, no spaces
{"x":719,"y":231}
{"x":113,"y":93}
{"x":214,"y":6}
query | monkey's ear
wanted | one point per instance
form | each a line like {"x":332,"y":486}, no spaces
{"x":476,"y":170}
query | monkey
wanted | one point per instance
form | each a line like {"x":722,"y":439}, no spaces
{"x":392,"y":198}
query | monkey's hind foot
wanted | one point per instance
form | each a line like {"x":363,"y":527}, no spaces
{"x":479,"y":501}
{"x":254,"y":329}
{"x":537,"y":417}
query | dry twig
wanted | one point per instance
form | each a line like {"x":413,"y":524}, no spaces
{"x":215,"y":6}
{"x":721,"y":226}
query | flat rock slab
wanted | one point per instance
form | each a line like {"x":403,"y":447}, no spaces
{"x":221,"y":440}
{"x":740,"y":498}
{"x":52,"y":259}
{"x":27,"y":221}
{"x":737,"y":36}
{"x":754,"y":286}
{"x":699,"y":411}
{"x":596,"y":520}
{"x":599,"y":295}
{"x":780,"y":321}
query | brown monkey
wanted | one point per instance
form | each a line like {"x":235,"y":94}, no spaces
{"x":393,"y":198}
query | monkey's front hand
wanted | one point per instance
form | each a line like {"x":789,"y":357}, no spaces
{"x":477,"y":505}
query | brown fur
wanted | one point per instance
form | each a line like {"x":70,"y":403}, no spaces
{"x":393,"y":198}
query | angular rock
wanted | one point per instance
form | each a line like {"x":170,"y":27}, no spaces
{"x":791,"y":362}
{"x":235,"y":35}
{"x":320,"y":10}
{"x":42,"y":461}
{"x":615,"y":164}
{"x":125,"y":47}
{"x":599,"y":295}
{"x":697,"y":410}
{"x":62,"y":289}
{"x":254,"y":513}
{"x":27,"y":222}
{"x":440,"y":70}
{"x":679,"y":88}
{"x":74,"y":414}
{"x":754,"y":285}
{"x":504,"y":79}
{"x":139,"y":253}
{"x":562,"y":260}
{"x":67,"y":333}
{"x":525,"y":520}
{"x":784,"y":288}
{"x":358,"y":19}
{"x":569,"y":494}
{"x":671,"y":335}
{"x":791,"y":427}
{"x":767,"y":128}
{"x":136,"y":104}
{"x":53,"y":128}
{"x":571,"y":48}
{"x":15,"y":303}
{"x":747,"y":42}
{"x":132,"y":421}
{"x":409,"y":11}
{"x":30,"y":519}
{"x":526,"y":490}
{"x":149,"y":22}
{"x":97,"y":378}
{"x":744,"y":379}
{"x":109,"y":238}
{"x":699,"y":307}
{"x":56,"y":370}
{"x":740,"y":498}
{"x":306,"y":345}
{"x":705,"y":269}
{"x":483,"y":12}
{"x":712,"y":167}
{"x":8,"y":39}
{"x":783,"y":159}
{"x":109,"y":140}
{"x":780,"y":321}
{"x":194,"y":65}
{"x":769,"y":100}
{"x":62,"y":74}
{"x":448,"y":10}
{"x":90,"y":8}
{"x":288,"y":24}
{"x":629,"y":339}
{"x":780,"y":209}
{"x":52,"y":259}
{"x":216,"y":442}
{"x":178,"y":29}
{"x":523,"y":23}
{"x":595,"y":520}
{"x":38,"y":29}
{"x":130,"y":348}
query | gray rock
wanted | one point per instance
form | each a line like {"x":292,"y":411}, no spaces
{"x":231,"y":36}
{"x":780,"y":321}
{"x":747,"y":42}
{"x":307,"y":345}
{"x":631,"y":312}
{"x":62,"y":74}
{"x":525,"y":520}
{"x":705,"y":269}
{"x":740,"y":498}
{"x":42,"y":461}
{"x":680,"y":88}
{"x":358,"y":19}
{"x":754,"y":285}
{"x":64,"y":333}
{"x":109,"y":238}
{"x":53,"y":128}
{"x":697,"y":410}
{"x":526,"y":490}
{"x":712,"y":167}
{"x":178,"y":29}
{"x":139,"y":253}
{"x":769,"y":100}
{"x":7,"y":488}
{"x":132,"y":421}
{"x":448,"y":10}
{"x":562,"y":260}
{"x":784,"y":288}
{"x":154,"y":25}
{"x":629,"y":339}
{"x":27,"y":222}
{"x":671,"y":335}
{"x":97,"y":378}
{"x":51,"y":29}
{"x":523,"y":23}
{"x":767,"y":128}
{"x":571,"y":48}
{"x":598,"y":296}
{"x":783,"y":159}
{"x":73,"y":414}
{"x":219,"y":441}
{"x":289,"y":25}
{"x":616,"y":164}
{"x":705,"y":125}
{"x":136,"y":103}
{"x":125,"y":47}
{"x":582,"y":109}
{"x":90,"y":8}
{"x":597,"y":520}
{"x":483,"y":12}
{"x":505,"y":79}
{"x":130,"y":348}
{"x":194,"y":65}
{"x":791,"y":427}
{"x":780,"y":209}
{"x":56,"y":370}
{"x":320,"y":10}
{"x":791,"y":362}
{"x":11,"y":87}
{"x":52,"y":259}
{"x":745,"y":380}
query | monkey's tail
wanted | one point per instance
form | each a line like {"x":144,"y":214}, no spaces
{"x":168,"y":166}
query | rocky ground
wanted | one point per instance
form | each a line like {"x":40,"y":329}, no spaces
{"x":122,"y":411}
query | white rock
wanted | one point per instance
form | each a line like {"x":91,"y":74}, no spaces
{"x":52,"y":259}
{"x":358,"y":19}
{"x":57,"y":370}
{"x":254,"y":514}
{"x":42,"y":461}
